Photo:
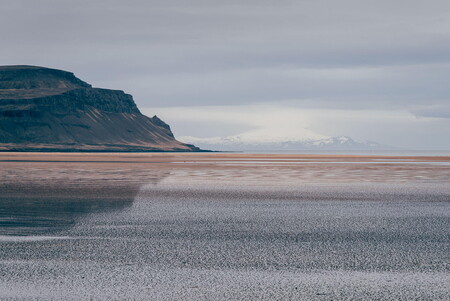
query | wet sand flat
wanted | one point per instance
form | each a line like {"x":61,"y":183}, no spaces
{"x":223,"y":226}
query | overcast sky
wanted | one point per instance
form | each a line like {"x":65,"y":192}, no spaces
{"x":372,"y":70}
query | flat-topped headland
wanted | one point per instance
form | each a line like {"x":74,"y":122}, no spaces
{"x":43,"y":109}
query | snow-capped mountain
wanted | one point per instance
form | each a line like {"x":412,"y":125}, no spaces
{"x":245,"y":142}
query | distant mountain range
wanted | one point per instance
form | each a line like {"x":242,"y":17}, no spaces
{"x":243,"y":143}
{"x":43,"y":109}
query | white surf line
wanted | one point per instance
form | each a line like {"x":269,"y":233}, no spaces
{"x":17,"y":238}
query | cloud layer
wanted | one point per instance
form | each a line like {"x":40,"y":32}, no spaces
{"x":372,"y":56}
{"x":398,"y":128}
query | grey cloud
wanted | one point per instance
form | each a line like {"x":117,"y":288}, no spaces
{"x":347,"y":54}
{"x":215,"y":52}
{"x":376,"y":88}
{"x":434,"y":111}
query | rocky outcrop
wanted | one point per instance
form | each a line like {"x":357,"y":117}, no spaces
{"x":44,"y":109}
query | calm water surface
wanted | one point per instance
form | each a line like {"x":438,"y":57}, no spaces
{"x":209,"y":227}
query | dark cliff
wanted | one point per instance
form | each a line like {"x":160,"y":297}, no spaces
{"x":47,"y":109}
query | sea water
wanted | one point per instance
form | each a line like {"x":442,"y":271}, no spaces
{"x":158,"y":230}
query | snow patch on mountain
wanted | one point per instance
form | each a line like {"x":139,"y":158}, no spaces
{"x":266,"y":142}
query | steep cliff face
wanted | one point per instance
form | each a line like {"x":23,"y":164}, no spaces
{"x":48,"y":109}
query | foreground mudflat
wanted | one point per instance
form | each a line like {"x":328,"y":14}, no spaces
{"x":223,"y":227}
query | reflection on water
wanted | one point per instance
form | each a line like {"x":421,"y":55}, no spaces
{"x":44,"y":216}
{"x":41,"y":194}
{"x":35,"y":209}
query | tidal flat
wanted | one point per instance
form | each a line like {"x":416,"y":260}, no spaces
{"x":220,"y":226}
